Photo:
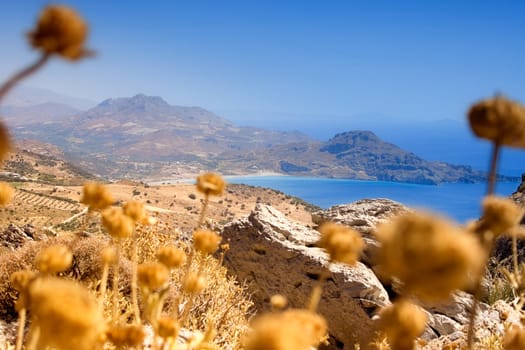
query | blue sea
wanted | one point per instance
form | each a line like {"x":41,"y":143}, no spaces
{"x":460,"y":202}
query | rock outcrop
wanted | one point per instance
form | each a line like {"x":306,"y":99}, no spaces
{"x":363,"y":215}
{"x":278,"y":256}
{"x":13,"y":237}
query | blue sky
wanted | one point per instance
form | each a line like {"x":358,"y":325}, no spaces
{"x":290,"y":63}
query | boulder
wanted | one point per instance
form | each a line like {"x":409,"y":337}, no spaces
{"x":13,"y":237}
{"x":363,"y":215}
{"x":278,"y":256}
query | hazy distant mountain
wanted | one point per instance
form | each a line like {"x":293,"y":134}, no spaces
{"x":25,"y":96}
{"x":143,"y":136}
{"x":40,"y":113}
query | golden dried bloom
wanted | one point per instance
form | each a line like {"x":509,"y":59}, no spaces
{"x":148,"y":221}
{"x":152,"y":275}
{"x":500,"y":215}
{"x":124,"y":336}
{"x":135,"y":210}
{"x":402,"y":322}
{"x":211,"y":184}
{"x":499,"y":120}
{"x":342,"y":243}
{"x":21,"y":279}
{"x":168,"y":327}
{"x":514,"y":339}
{"x":116,"y":223}
{"x":109,"y":255}
{"x":193,"y":283}
{"x":278,"y":301}
{"x":171,"y":256}
{"x":429,"y":255}
{"x":6,"y":193}
{"x":294,"y":329}
{"x":5,"y":141}
{"x":96,"y":196}
{"x":206,"y":241}
{"x":60,"y":30}
{"x":54,"y":259}
{"x":66,"y":313}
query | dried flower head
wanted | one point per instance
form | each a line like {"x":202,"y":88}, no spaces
{"x":96,"y":196}
{"x":126,"y":336}
{"x":21,"y":279}
{"x":116,"y":223}
{"x":54,"y":259}
{"x":193,"y":283}
{"x":499,"y":120}
{"x":514,"y":339}
{"x":168,"y":327}
{"x":109,"y":255}
{"x":429,"y":255}
{"x":342,"y":243}
{"x":211,"y":184}
{"x":278,"y":301}
{"x":206,"y":241}
{"x":500,"y":215}
{"x":66,"y":313}
{"x":294,"y":329}
{"x":60,"y":30}
{"x":5,"y":141}
{"x":152,"y":275}
{"x":402,"y":322}
{"x":6,"y":193}
{"x":135,"y":210}
{"x":171,"y":256}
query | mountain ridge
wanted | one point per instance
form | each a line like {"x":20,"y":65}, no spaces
{"x":144,"y":136}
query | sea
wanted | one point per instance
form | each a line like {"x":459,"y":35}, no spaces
{"x":458,"y":201}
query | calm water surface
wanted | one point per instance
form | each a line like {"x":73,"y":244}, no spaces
{"x":458,"y":201}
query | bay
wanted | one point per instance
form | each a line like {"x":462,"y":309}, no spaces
{"x":458,"y":201}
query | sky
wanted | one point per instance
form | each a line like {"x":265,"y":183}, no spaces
{"x":306,"y":65}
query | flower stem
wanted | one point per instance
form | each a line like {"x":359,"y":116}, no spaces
{"x":134,"y":295}
{"x":203,"y":210}
{"x":24,"y":73}
{"x":21,"y":325}
{"x":317,"y":290}
{"x":496,"y":148}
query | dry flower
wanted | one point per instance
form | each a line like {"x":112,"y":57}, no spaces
{"x":211,"y":184}
{"x":116,"y":223}
{"x":5,"y":141}
{"x":294,"y":329}
{"x":171,"y":256}
{"x":168,"y":327}
{"x":152,"y":275}
{"x":96,"y":196}
{"x":60,"y":30}
{"x":135,"y":210}
{"x":278,"y":301}
{"x":499,"y":120}
{"x":193,"y":283}
{"x":514,"y":339}
{"x":429,"y":255}
{"x":123,"y":336}
{"x":54,"y":259}
{"x":206,"y":241}
{"x":402,"y":322}
{"x":109,"y":255}
{"x":500,"y":215}
{"x":66,"y":313}
{"x":6,"y":193}
{"x":342,"y":243}
{"x":21,"y":279}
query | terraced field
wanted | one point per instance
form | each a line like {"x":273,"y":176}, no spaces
{"x":37,"y":199}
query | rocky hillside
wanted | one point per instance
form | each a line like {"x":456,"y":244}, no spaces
{"x":144,"y":137}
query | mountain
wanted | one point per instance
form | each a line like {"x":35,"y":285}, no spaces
{"x":145,"y":137}
{"x":25,"y":96}
{"x":40,"y":113}
{"x":354,"y":155}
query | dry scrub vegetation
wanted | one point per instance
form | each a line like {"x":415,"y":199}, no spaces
{"x":134,"y":278}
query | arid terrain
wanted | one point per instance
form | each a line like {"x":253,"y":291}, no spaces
{"x":48,"y":192}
